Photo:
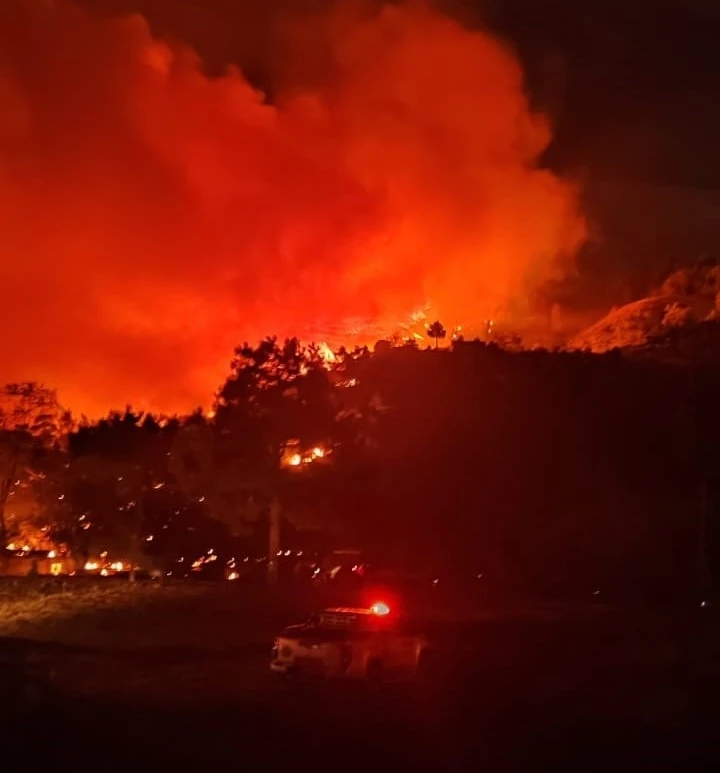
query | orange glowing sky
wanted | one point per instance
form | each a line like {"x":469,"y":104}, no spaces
{"x":151,"y":217}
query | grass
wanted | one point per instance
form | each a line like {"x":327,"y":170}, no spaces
{"x":90,"y":614}
{"x":114,"y":615}
{"x":182,"y":669}
{"x":147,"y":640}
{"x":208,"y":642}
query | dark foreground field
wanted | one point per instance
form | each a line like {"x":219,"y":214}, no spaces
{"x":175,"y":677}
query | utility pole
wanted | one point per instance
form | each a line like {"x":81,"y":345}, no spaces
{"x":273,"y":540}
{"x":702,"y":558}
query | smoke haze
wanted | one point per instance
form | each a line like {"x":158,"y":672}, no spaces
{"x":151,"y":217}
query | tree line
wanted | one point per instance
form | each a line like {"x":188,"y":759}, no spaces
{"x":555,"y":471}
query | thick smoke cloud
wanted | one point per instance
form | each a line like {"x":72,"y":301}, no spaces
{"x":151,"y":217}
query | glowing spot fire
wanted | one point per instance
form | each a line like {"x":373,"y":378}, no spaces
{"x":326,"y":352}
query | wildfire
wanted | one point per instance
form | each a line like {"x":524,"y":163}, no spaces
{"x":296,"y":459}
{"x":105,"y":568}
{"x":316,"y":212}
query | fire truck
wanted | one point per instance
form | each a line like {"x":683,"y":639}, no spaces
{"x":353,"y":643}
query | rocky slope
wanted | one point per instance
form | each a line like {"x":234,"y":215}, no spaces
{"x":686,"y":299}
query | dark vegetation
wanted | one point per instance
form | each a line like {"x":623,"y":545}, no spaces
{"x":567,"y":474}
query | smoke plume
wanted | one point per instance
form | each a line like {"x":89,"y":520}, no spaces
{"x":152,"y":217}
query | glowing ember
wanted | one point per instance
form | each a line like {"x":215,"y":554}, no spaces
{"x":295,"y":460}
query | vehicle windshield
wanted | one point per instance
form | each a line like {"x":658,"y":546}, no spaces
{"x":341,"y":620}
{"x":345,"y":619}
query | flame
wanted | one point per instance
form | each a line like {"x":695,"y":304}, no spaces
{"x":326,"y":352}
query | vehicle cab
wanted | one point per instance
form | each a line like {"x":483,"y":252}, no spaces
{"x":352,"y":643}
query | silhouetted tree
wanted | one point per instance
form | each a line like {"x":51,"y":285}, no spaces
{"x":53,"y":485}
{"x":128,"y":452}
{"x":278,"y":397}
{"x":436,"y":331}
{"x":210,"y":477}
